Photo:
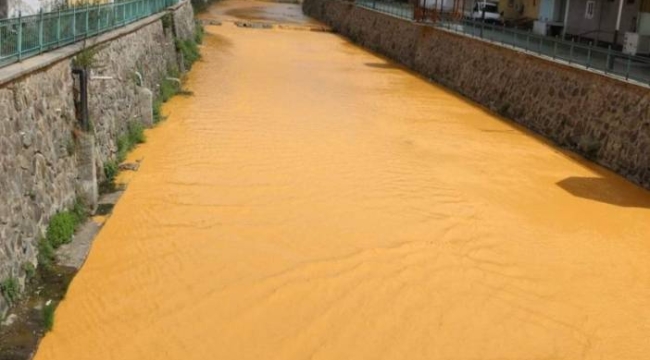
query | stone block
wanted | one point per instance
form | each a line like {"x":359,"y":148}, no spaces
{"x":145,"y":99}
{"x":87,"y":180}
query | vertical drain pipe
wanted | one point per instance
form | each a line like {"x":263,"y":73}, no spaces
{"x":87,"y":187}
{"x":83,"y":98}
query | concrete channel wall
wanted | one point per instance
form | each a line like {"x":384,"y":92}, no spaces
{"x":604,"y":119}
{"x":46,"y":160}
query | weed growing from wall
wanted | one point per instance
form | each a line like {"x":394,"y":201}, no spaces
{"x":125,"y":143}
{"x":199,"y":32}
{"x":167,"y":21}
{"x":45,"y":253}
{"x":30,"y":270}
{"x":189,"y":50}
{"x":168,"y":88}
{"x":61,"y":229}
{"x":111,"y":169}
{"x":87,"y":58}
{"x":10,"y":290}
{"x":48,"y":316}
{"x":157,"y":111}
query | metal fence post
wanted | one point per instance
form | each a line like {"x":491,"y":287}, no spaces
{"x":20,"y":35}
{"x":627,"y":68}
{"x":74,"y":24}
{"x":58,"y":27}
{"x":40,"y":32}
{"x":609,"y":65}
{"x":527,"y":42}
{"x":87,"y":14}
{"x":588,"y":56}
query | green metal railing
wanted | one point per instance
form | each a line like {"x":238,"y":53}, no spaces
{"x":27,"y":36}
{"x":588,"y":56}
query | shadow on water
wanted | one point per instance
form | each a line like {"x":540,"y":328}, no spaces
{"x":382,"y":65}
{"x":605,"y":190}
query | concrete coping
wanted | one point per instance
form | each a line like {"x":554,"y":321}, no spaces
{"x":17,"y":70}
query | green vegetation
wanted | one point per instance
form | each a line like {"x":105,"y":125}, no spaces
{"x":87,"y":58}
{"x":199,"y":32}
{"x":10,"y":290}
{"x":125,"y":143}
{"x":167,"y":21}
{"x":123,"y":147}
{"x":136,"y":133}
{"x":111,"y":169}
{"x":80,"y":211}
{"x":189,"y":50}
{"x":48,"y":316}
{"x":157,"y":111}
{"x":45,"y":254}
{"x":30,"y":270}
{"x":168,"y":88}
{"x":60,"y":230}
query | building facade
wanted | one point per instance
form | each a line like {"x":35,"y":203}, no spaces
{"x":603,"y":21}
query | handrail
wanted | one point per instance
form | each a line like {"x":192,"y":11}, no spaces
{"x":27,"y":36}
{"x":605,"y":60}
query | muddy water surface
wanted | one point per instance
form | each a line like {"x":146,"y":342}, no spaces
{"x":312,"y":201}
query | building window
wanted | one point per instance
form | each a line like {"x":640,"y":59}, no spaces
{"x":591,"y":8}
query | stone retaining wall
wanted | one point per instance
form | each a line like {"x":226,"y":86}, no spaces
{"x":184,"y":22}
{"x":604,"y":119}
{"x":42,"y":148}
{"x":114,"y":99}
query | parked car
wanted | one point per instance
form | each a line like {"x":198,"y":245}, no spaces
{"x":486,"y":11}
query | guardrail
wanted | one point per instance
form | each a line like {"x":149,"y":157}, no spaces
{"x":591,"y":57}
{"x":27,"y":36}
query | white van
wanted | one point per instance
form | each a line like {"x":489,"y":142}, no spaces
{"x":490,"y":9}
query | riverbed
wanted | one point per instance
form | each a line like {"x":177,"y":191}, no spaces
{"x":312,"y":200}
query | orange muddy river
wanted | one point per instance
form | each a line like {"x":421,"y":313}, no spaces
{"x":313,"y":201}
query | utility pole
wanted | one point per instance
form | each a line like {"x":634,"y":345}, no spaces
{"x":566,"y":18}
{"x":618,"y":21}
